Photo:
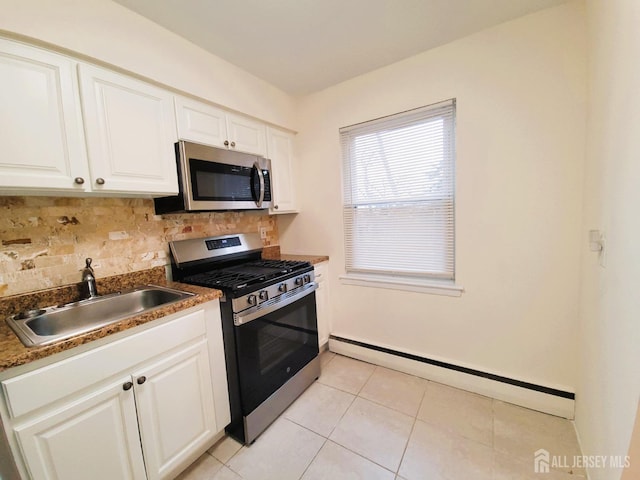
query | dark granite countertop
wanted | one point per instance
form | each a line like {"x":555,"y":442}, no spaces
{"x":273,"y":253}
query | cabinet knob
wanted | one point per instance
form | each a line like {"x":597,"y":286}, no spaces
{"x":226,"y":143}
{"x":141,"y":380}
{"x":275,"y":206}
{"x":79,"y":180}
{"x":233,"y":144}
{"x":127,"y":386}
{"x":100,"y":181}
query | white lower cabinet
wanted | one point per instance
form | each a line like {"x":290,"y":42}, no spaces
{"x":174,"y":399}
{"x":322,"y":303}
{"x":94,"y":436}
{"x":142,"y":407}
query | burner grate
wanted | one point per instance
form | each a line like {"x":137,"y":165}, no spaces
{"x":285,"y":265}
{"x":220,"y":278}
{"x":242,"y":275}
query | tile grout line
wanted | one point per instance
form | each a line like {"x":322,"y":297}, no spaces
{"x":375,"y":403}
{"x":315,"y":456}
{"x":229,"y":466}
{"x":413,"y":426}
{"x":355,"y":396}
{"x":361,"y":456}
{"x":328,"y":439}
{"x":493,"y":437}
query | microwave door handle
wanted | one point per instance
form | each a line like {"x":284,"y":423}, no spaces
{"x":261,"y":178}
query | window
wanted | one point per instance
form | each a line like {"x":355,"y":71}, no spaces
{"x":399,"y":194}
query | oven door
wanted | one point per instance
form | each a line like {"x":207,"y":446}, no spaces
{"x":275,"y":346}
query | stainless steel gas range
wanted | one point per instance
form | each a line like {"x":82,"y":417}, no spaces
{"x":269,"y":324}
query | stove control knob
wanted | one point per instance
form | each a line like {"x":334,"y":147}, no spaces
{"x":307,"y":278}
{"x":299,"y":281}
{"x":252,"y":300}
{"x":282,"y":288}
{"x":263,"y":295}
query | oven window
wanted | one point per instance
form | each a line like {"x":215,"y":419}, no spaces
{"x":273,"y":348}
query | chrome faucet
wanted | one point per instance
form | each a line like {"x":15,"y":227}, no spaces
{"x":89,"y":281}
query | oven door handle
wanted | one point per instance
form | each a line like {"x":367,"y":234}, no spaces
{"x":241,"y":319}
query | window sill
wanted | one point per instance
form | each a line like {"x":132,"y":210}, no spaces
{"x":432,"y":287}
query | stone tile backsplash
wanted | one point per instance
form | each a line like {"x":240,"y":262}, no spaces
{"x":44,"y":240}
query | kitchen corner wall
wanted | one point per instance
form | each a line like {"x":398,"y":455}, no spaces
{"x":609,"y":387}
{"x":520,"y":138}
{"x":44,"y":240}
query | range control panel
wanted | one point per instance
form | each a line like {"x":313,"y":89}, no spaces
{"x":218,"y":243}
{"x":272,"y":292}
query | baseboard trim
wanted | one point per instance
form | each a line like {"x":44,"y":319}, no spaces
{"x":527,"y":394}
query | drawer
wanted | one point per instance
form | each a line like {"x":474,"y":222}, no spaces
{"x":45,"y":385}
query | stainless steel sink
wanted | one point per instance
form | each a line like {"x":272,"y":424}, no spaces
{"x":52,"y":324}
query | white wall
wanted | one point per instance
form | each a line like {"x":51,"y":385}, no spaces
{"x":609,"y":388}
{"x":111,"y":33}
{"x":521,"y":91}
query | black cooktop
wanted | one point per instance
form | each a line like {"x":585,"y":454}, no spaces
{"x":249,"y":274}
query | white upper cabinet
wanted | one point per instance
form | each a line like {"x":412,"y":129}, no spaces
{"x":280,"y":151}
{"x":40,"y":121}
{"x":203,"y":123}
{"x":69,"y":127}
{"x":246,"y":135}
{"x":130,"y":130}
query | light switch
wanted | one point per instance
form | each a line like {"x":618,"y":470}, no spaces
{"x":597,"y":243}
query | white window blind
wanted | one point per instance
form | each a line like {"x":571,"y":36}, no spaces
{"x":399,"y":187}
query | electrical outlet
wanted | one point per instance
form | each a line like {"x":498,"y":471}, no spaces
{"x":263,"y":233}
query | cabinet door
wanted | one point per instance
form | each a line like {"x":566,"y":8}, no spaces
{"x":322,"y":303}
{"x":175,"y":409}
{"x":199,"y":122}
{"x":41,"y":132}
{"x":130,"y":129}
{"x":280,"y":151}
{"x":246,"y":135}
{"x":94,"y":437}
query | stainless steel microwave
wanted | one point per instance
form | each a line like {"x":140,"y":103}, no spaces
{"x":211,"y":178}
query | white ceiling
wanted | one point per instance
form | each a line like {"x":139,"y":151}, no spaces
{"x":302,"y":46}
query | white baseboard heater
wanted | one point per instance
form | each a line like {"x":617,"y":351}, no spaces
{"x":543,"y":398}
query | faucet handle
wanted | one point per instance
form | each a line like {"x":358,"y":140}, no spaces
{"x":87,"y":262}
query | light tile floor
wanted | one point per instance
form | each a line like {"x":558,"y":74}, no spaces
{"x":360,"y":421}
